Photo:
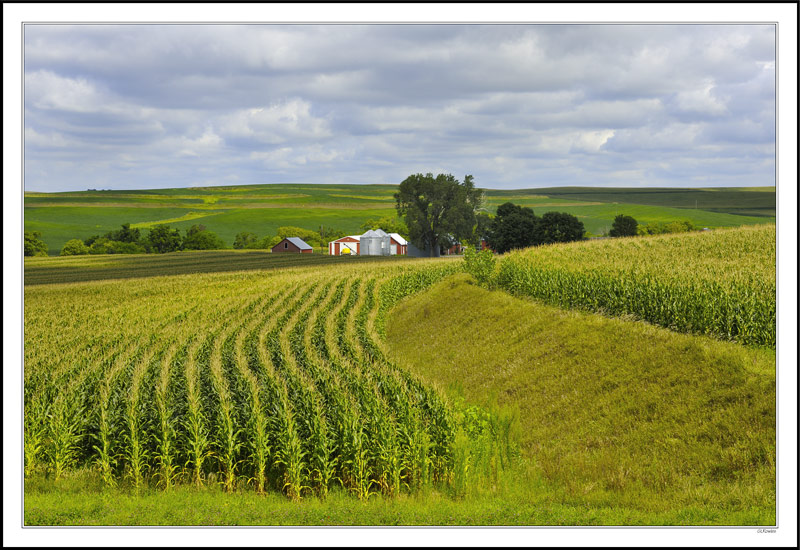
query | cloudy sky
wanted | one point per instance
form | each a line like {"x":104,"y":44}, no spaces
{"x":517,"y":106}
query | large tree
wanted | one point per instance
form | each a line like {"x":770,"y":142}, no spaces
{"x":513,"y":227}
{"x":438,"y":209}
{"x":559,"y":227}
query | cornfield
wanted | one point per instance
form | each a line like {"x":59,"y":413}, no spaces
{"x":720,"y":283}
{"x":268,"y":381}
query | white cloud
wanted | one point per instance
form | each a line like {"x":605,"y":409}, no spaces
{"x":47,"y":90}
{"x":515,"y":104}
{"x":276,"y":123}
{"x":701,"y":101}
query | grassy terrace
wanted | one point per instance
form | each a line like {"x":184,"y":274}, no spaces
{"x":611,"y":414}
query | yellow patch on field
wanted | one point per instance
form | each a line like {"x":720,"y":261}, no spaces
{"x":185,"y":217}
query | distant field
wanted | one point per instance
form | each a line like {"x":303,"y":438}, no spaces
{"x":261,"y":209}
{"x":748,"y":201}
{"x":73,"y":269}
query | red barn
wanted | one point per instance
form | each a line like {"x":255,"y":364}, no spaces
{"x":293,"y":244}
{"x":351,"y":243}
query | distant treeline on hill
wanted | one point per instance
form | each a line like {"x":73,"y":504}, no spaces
{"x":162,"y":239}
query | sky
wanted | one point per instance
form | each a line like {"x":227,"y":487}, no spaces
{"x":142,"y":106}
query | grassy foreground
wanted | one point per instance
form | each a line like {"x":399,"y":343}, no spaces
{"x":81,"y":501}
{"x":612,"y":413}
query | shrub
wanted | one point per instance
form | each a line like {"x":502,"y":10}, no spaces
{"x":202,"y":240}
{"x":661,"y":228}
{"x":34,"y":245}
{"x":479,"y":264}
{"x":245,"y":239}
{"x":74,"y":247}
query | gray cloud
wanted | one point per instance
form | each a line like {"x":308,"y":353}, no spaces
{"x":515,"y":105}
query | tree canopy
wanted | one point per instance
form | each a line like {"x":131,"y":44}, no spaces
{"x":517,"y":226}
{"x":513,"y":227}
{"x":199,"y":238}
{"x":559,"y":227}
{"x":390,"y":224}
{"x":74,"y":247}
{"x":34,"y":245}
{"x":438,"y":209}
{"x":245,"y":239}
{"x":623,"y":226}
{"x":162,"y":238}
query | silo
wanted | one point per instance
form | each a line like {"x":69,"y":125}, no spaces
{"x":384,"y":243}
{"x":369,"y":244}
{"x":375,"y":242}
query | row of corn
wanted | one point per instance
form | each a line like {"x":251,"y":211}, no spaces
{"x":272,"y":384}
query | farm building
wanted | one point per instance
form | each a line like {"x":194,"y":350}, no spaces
{"x":293,"y":244}
{"x":371,"y":243}
{"x":374,"y":242}
{"x":345,"y":245}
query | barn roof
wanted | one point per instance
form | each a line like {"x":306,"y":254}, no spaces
{"x":299,"y":243}
{"x":400,"y":240}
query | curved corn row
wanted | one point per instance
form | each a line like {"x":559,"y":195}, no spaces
{"x":261,"y":382}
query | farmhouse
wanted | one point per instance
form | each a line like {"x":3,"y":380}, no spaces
{"x":293,"y":244}
{"x":374,"y":243}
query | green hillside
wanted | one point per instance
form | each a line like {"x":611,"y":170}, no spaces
{"x":611,"y":412}
{"x":261,"y":209}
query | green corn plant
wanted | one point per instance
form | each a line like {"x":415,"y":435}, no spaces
{"x":165,"y":435}
{"x":195,"y":423}
{"x":34,"y":435}
{"x":289,"y":454}
{"x":64,"y":423}
{"x":135,"y":450}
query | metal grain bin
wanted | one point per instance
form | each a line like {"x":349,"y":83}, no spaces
{"x":375,"y":242}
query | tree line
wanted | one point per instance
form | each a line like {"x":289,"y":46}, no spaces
{"x":162,"y":238}
{"x":435,"y":213}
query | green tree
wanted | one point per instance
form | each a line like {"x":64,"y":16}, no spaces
{"x":390,"y":224}
{"x":124,"y":235}
{"x":90,"y":241}
{"x":623,"y":226}
{"x":437,"y":209}
{"x":162,"y":238}
{"x":559,"y":227}
{"x":245,"y":239}
{"x":266,"y":242}
{"x":309,"y":236}
{"x":34,"y":245}
{"x":513,"y":227}
{"x":74,"y":247}
{"x":101,"y":245}
{"x":199,"y":238}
